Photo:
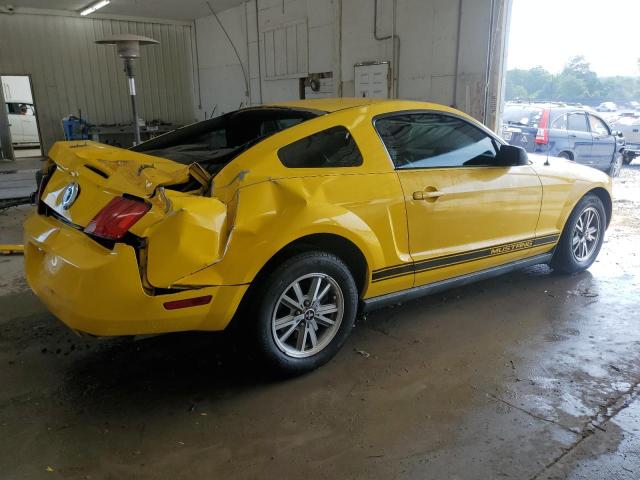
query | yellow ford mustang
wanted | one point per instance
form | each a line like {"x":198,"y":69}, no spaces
{"x":291,"y":218}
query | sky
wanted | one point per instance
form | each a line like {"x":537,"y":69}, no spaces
{"x":549,"y":32}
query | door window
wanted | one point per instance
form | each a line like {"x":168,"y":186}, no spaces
{"x":598,"y":126}
{"x":430,"y":140}
{"x":578,"y":122}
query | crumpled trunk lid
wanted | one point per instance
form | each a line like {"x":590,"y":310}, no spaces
{"x":185,"y":229}
{"x":100,"y":173}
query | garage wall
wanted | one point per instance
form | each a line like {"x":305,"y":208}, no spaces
{"x":443,"y":53}
{"x":73,"y":73}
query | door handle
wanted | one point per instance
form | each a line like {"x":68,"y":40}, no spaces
{"x":427,"y":195}
{"x":573,"y":136}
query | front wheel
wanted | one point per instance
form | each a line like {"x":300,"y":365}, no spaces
{"x":582,"y":236}
{"x":616,"y":166}
{"x":305,"y":312}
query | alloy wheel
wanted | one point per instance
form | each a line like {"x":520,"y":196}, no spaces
{"x":586,"y":234}
{"x":307,"y":315}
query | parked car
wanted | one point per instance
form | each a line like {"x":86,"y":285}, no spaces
{"x":291,"y":218}
{"x":629,"y":126}
{"x":565,"y":132}
{"x":607,"y":107}
{"x":22,"y":123}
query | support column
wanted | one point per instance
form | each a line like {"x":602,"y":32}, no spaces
{"x":6,"y":148}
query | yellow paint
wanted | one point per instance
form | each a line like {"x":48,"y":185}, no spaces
{"x":195,"y":244}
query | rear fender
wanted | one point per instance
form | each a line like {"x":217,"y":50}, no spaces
{"x":272,"y":215}
{"x":191,"y":236}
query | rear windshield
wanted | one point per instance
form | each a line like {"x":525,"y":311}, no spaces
{"x":523,"y":115}
{"x":214,"y":143}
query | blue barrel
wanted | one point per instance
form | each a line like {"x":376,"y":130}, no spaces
{"x":75,"y":129}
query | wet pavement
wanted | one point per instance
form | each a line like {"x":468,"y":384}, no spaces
{"x":530,"y":376}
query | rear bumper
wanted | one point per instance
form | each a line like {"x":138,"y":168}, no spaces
{"x":633,"y":148}
{"x":96,"y":290}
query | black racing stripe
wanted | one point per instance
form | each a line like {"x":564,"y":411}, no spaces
{"x":389,"y":272}
{"x":537,"y":241}
{"x":445,"y":262}
{"x":390,"y":278}
{"x":546,"y":239}
{"x":459,"y":258}
{"x":475,"y":257}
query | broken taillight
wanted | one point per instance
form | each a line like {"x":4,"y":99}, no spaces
{"x":115,"y":220}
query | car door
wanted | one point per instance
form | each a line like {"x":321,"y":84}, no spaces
{"x":579,"y":137}
{"x":604,"y":143}
{"x":464,"y":213}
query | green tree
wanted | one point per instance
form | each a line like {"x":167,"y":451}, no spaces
{"x":571,"y":89}
{"x":576,"y":83}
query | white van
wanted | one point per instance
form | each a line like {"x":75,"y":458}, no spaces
{"x":22,"y":122}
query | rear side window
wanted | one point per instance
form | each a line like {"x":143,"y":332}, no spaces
{"x":331,"y":148}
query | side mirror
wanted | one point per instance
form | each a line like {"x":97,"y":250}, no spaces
{"x":511,"y":156}
{"x":617,"y":133}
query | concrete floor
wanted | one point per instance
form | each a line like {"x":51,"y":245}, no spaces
{"x":529,"y":376}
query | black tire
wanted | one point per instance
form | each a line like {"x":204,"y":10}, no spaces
{"x":565,"y":155}
{"x":564,"y":259}
{"x":627,"y":159}
{"x":279,"y":282}
{"x":616,"y":166}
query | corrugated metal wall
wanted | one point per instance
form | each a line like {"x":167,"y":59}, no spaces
{"x":70,"y":72}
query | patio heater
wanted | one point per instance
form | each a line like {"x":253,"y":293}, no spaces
{"x":129,"y":49}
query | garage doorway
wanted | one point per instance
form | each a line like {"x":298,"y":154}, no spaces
{"x":572,"y":88}
{"x":22,"y":113}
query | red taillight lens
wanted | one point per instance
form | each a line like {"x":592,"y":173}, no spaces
{"x":187,"y":302}
{"x":115,"y":220}
{"x":542,"y":136}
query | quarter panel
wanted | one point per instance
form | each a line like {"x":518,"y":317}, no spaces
{"x":367,"y":209}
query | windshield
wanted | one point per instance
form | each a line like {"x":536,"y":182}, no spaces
{"x":215,"y":142}
{"x":523,"y":115}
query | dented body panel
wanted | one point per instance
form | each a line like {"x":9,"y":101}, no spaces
{"x":214,"y":236}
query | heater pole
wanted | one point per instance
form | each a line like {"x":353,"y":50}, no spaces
{"x":128,"y":49}
{"x":128,"y":69}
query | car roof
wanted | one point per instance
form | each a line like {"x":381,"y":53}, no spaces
{"x":327,"y":104}
{"x":330,"y":105}
{"x":381,"y":106}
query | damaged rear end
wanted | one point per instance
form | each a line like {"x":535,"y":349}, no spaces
{"x":115,"y":235}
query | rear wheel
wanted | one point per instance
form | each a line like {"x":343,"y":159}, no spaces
{"x":616,"y":166}
{"x":305,"y":312}
{"x":582,"y":236}
{"x":627,"y":159}
{"x":565,"y":155}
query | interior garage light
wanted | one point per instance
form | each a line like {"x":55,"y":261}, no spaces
{"x":94,"y":7}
